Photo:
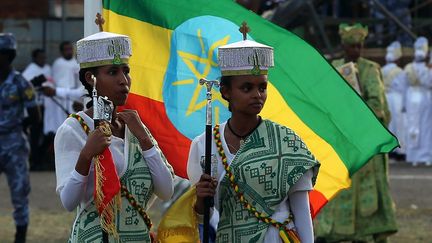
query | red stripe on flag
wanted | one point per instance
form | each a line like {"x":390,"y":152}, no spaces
{"x":174,"y":145}
{"x":317,"y":201}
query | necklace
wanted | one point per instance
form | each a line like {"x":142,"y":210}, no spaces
{"x":243,"y":138}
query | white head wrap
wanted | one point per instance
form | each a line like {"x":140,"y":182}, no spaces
{"x":394,"y":52}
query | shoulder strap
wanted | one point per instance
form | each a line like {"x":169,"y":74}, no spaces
{"x":85,"y":127}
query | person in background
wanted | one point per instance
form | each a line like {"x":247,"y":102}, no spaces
{"x":16,"y":95}
{"x":66,"y":90}
{"x":38,"y":72}
{"x":63,"y":96}
{"x":416,"y":85}
{"x":391,"y":73}
{"x":365,"y":212}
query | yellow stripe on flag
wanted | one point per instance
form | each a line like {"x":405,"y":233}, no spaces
{"x":150,"y":52}
{"x":277,"y":110}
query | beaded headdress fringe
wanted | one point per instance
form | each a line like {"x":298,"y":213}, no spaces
{"x":245,"y":57}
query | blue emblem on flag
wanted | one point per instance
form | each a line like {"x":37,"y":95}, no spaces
{"x":193,"y":56}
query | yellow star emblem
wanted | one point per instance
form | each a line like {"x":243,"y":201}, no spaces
{"x":189,"y":59}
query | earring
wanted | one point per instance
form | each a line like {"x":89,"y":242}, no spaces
{"x":94,"y":92}
{"x":94,"y":79}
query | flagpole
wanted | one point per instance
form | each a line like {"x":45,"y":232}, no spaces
{"x":208,"y":201}
{"x":91,"y":8}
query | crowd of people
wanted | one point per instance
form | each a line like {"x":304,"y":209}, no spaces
{"x":408,"y":92}
{"x":58,"y":94}
{"x":40,"y":100}
{"x":365,"y":211}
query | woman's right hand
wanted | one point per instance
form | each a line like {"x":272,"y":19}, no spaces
{"x":97,"y":142}
{"x":206,"y":187}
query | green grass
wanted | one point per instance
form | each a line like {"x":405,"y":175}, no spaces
{"x":52,"y":227}
{"x":415,"y":225}
{"x":45,"y":226}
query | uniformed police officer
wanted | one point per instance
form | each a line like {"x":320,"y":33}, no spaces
{"x":16,"y":94}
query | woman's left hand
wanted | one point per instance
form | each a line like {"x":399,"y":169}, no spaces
{"x":132,"y":120}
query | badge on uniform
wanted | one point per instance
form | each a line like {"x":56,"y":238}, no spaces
{"x":29,"y":93}
{"x":350,"y":73}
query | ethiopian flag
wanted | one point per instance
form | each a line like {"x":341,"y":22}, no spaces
{"x":175,"y":44}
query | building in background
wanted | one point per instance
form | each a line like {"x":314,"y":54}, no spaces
{"x":45,"y":23}
{"x":41,"y":24}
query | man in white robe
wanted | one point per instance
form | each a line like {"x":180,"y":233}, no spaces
{"x":37,"y":68}
{"x":417,"y":84}
{"x":391,"y":73}
{"x":66,"y":90}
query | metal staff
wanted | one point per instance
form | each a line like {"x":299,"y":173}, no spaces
{"x":102,"y":111}
{"x":208,"y":201}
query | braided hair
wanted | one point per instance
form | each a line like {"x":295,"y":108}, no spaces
{"x":226,"y":82}
{"x":87,"y":86}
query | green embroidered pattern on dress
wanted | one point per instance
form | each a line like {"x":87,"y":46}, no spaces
{"x":272,"y":160}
